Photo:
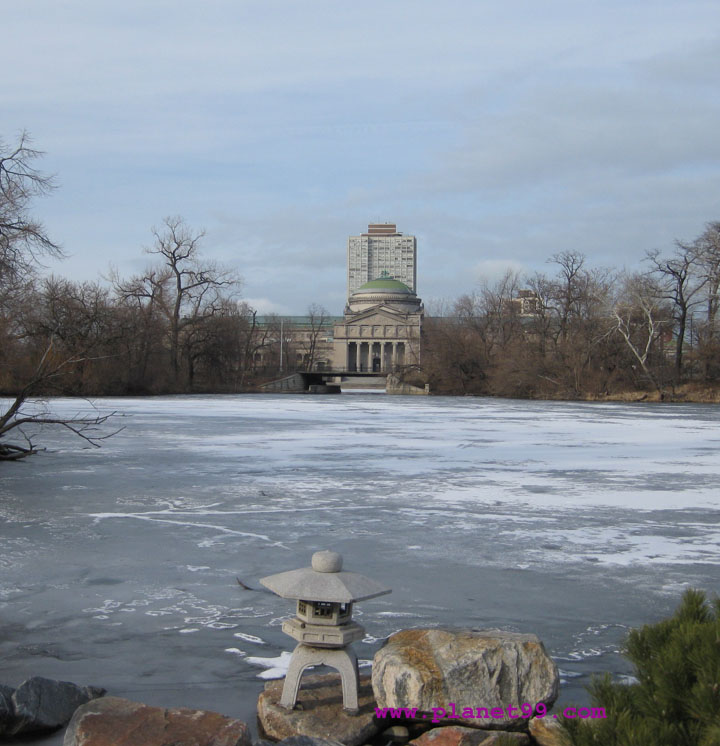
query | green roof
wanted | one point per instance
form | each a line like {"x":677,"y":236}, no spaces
{"x":385,"y":283}
{"x":297,"y":321}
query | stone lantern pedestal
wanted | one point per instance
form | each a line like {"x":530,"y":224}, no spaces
{"x":323,"y":623}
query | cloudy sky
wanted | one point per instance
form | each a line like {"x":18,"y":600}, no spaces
{"x":499,"y":132}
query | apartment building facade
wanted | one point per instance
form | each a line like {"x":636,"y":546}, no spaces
{"x":381,"y":252}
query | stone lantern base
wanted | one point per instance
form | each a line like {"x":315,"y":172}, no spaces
{"x":342,"y":660}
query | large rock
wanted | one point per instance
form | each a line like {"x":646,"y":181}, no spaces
{"x":319,"y":712}
{"x":460,"y":670}
{"x":113,"y":720}
{"x":7,"y":714}
{"x":41,"y":704}
{"x":457,"y":736}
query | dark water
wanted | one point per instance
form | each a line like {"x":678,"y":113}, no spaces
{"x":573,"y":521}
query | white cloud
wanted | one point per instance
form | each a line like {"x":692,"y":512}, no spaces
{"x":491,"y":270}
{"x":265,"y":306}
{"x":496,"y":132}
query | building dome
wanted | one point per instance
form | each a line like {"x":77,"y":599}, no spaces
{"x":384,"y":291}
{"x":384,"y":284}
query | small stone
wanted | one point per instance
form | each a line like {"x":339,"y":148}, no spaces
{"x":455,"y":735}
{"x":452,"y":735}
{"x":322,"y":714}
{"x":397,"y":733}
{"x":547,"y":732}
{"x":45,"y":704}
{"x":505,"y":738}
{"x":308,"y":741}
{"x":113,"y":720}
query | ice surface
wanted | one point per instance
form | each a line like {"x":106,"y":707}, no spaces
{"x":575,"y":521}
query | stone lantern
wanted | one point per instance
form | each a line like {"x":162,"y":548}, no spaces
{"x":323,"y":622}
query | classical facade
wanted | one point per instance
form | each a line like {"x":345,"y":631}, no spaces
{"x":290,"y":343}
{"x":380,"y":330}
{"x":379,"y":252}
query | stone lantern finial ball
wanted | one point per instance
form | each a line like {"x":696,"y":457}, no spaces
{"x":327,"y":561}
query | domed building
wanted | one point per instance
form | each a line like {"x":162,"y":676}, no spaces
{"x":380,"y":331}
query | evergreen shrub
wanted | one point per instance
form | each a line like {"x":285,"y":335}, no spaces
{"x":676,"y":700}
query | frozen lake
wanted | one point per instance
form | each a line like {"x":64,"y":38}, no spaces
{"x":575,"y":521}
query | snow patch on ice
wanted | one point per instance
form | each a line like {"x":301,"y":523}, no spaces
{"x":275,"y":668}
{"x":249,"y":638}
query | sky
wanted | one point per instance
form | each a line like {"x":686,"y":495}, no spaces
{"x":498,"y":133}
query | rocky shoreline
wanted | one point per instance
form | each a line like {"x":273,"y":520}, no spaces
{"x":429,"y":687}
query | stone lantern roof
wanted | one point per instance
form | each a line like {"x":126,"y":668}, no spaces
{"x":324,"y":581}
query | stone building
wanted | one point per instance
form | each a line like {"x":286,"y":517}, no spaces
{"x":290,"y":343}
{"x":381,"y":326}
{"x":380,"y":330}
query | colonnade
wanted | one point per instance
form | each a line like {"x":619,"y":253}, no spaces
{"x":377,"y":357}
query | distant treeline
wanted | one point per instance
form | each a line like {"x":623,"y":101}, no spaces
{"x":585,"y":332}
{"x":179,"y":326}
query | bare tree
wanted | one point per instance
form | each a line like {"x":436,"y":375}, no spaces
{"x":642,"y":317}
{"x":317,"y":322}
{"x":23,"y":242}
{"x":194,"y":293}
{"x":140,"y":312}
{"x":707,"y":254}
{"x":23,"y":414}
{"x":680,"y":283}
{"x":186,"y":289}
{"x":569,"y":287}
{"x":23,"y":239}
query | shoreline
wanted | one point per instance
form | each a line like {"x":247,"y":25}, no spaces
{"x":683,"y":394}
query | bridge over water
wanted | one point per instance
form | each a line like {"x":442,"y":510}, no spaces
{"x":318,"y":381}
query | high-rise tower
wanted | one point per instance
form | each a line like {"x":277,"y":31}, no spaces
{"x":381,"y":252}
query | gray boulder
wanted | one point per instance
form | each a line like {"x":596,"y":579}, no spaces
{"x":7,"y":714}
{"x":449,"y":673}
{"x":41,"y":704}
